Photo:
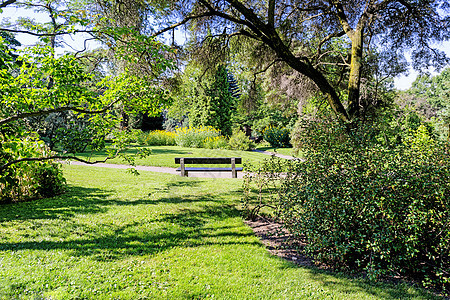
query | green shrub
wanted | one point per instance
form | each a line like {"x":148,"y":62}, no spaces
{"x":158,"y":138}
{"x":218,"y":142}
{"x":239,"y":141}
{"x":277,"y":137}
{"x":195,"y":136}
{"x":365,"y":207}
{"x":29,"y":179}
{"x":262,"y":186}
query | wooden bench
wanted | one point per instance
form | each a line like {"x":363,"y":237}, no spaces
{"x":183,"y":161}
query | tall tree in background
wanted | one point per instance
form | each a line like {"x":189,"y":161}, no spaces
{"x":8,"y":48}
{"x":430,"y":97}
{"x":301,"y":34}
{"x":216,"y":106}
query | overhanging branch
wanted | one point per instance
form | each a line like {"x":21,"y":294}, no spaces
{"x":54,"y":110}
{"x":182,"y":22}
{"x":48,"y":34}
{"x":6,"y":3}
{"x":16,"y":161}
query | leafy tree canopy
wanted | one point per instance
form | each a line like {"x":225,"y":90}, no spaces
{"x":44,"y":84}
{"x":304,"y":35}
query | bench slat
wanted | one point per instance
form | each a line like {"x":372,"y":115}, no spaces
{"x":208,"y":169}
{"x":208,"y":160}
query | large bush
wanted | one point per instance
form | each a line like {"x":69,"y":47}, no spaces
{"x":29,"y":179}
{"x":195,"y":136}
{"x":239,"y":141}
{"x":277,"y":137}
{"x":367,"y":207}
{"x":157,"y":138}
{"x":218,"y":142}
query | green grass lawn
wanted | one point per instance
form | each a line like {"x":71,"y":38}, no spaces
{"x":284,"y":151}
{"x":164,"y":156}
{"x":153,"y":236}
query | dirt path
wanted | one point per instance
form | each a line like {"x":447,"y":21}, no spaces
{"x":279,"y":242}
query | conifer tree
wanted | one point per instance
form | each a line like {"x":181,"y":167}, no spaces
{"x":216,"y":107}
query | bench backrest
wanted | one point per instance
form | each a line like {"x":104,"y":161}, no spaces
{"x":208,"y":160}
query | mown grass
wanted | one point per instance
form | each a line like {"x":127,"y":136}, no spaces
{"x":284,"y":151}
{"x":164,"y":156}
{"x":154,"y":236}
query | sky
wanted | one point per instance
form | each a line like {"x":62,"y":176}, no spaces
{"x":404,"y":82}
{"x":401,"y":82}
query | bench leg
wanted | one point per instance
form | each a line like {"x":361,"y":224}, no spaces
{"x":233,"y":168}
{"x":183,"y":171}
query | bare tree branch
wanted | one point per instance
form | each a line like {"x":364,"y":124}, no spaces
{"x":48,"y":34}
{"x":182,"y":22}
{"x":4,"y":166}
{"x":227,"y":16}
{"x":343,"y":18}
{"x":329,"y":37}
{"x":49,"y":111}
{"x":271,"y":13}
{"x":6,"y":3}
{"x":266,"y":68}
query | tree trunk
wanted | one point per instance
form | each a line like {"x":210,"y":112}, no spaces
{"x":354,"y":81}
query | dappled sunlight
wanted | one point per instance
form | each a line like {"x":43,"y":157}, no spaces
{"x":78,"y":200}
{"x":159,"y":235}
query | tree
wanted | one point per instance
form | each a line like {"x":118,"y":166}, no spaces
{"x":301,"y":34}
{"x":217,"y":106}
{"x":28,"y":94}
{"x":5,"y":3}
{"x":8,"y":48}
{"x":430,"y":96}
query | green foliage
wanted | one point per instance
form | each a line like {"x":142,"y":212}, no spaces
{"x":262,"y":187}
{"x":157,"y":236}
{"x":277,"y":137}
{"x":429,"y":96}
{"x":195,"y":137}
{"x":29,"y":179}
{"x":43,"y":86}
{"x":8,"y":43}
{"x":218,"y":142}
{"x":239,"y":141}
{"x":367,"y":207}
{"x":157,"y":138}
{"x":216,"y":107}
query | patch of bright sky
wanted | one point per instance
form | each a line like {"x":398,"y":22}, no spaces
{"x":76,"y":42}
{"x":404,"y":82}
{"x":72,"y":43}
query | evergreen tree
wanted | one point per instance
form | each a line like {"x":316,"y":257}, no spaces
{"x":216,"y":106}
{"x":233,"y":87}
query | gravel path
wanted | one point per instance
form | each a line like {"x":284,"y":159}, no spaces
{"x":276,"y":154}
{"x":160,"y":170}
{"x":173,"y":170}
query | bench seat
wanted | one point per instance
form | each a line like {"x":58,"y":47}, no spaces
{"x":193,"y":169}
{"x":183,"y":161}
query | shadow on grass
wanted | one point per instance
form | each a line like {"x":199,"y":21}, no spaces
{"x":353,"y":285}
{"x":169,"y":151}
{"x":183,"y":228}
{"x":266,"y":148}
{"x":189,"y":226}
{"x":77,"y":200}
